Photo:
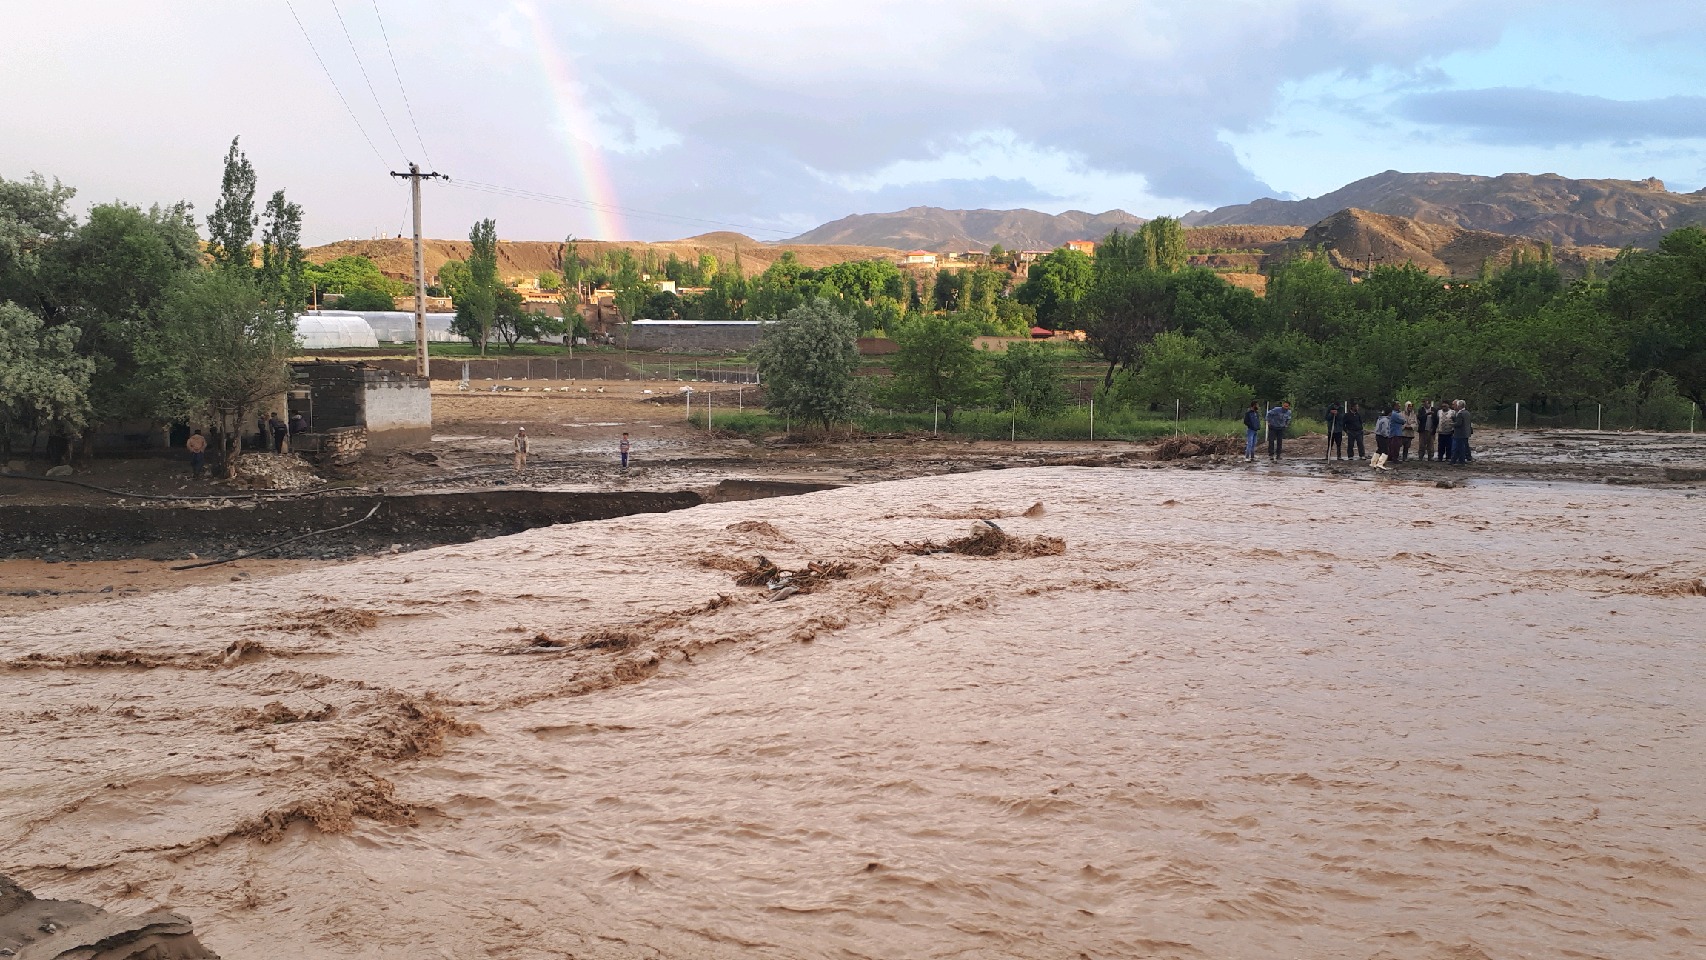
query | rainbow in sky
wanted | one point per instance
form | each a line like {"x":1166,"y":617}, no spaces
{"x":584,"y":156}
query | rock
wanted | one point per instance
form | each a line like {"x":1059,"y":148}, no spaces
{"x":60,"y":471}
{"x":67,"y":929}
{"x":107,"y":589}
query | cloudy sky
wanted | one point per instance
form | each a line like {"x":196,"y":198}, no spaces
{"x":646,"y":119}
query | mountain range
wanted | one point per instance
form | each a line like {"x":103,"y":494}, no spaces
{"x":1543,"y":206}
{"x":959,"y":231}
{"x":1560,"y":210}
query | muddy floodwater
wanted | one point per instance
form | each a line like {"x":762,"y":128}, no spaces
{"x":1178,"y":715}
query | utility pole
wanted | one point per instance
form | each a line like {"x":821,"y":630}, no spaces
{"x":415,"y":177}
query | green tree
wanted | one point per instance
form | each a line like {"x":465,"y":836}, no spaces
{"x":231,"y":227}
{"x":366,"y":298}
{"x":1162,"y":241}
{"x":807,"y":360}
{"x":108,"y":279}
{"x":349,"y":273}
{"x":1123,"y":311}
{"x":1055,"y":286}
{"x":32,"y":218}
{"x":1659,"y":299}
{"x":1031,"y":378}
{"x":937,"y":362}
{"x":1307,"y":294}
{"x":453,"y":277}
{"x":550,"y":280}
{"x":1175,"y":367}
{"x":477,"y":302}
{"x":222,"y":353}
{"x":44,"y":383}
{"x":283,"y":269}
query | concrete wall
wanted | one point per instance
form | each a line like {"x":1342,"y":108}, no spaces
{"x":700,"y":336}
{"x":398,"y":411}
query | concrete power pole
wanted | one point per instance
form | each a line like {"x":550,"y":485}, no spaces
{"x":415,"y":177}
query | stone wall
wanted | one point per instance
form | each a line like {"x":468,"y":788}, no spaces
{"x":341,"y":446}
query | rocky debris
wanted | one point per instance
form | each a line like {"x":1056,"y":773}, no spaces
{"x":32,"y":929}
{"x":1186,"y":446}
{"x":60,"y":471}
{"x":988,"y":540}
{"x":271,"y":471}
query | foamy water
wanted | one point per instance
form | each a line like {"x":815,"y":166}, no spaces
{"x":1239,"y":717}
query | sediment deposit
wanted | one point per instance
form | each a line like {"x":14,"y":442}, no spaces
{"x":1168,"y":714}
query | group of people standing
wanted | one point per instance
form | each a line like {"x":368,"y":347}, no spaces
{"x":273,"y":432}
{"x":1437,"y":432}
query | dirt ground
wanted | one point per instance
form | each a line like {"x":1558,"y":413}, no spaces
{"x":574,"y":427}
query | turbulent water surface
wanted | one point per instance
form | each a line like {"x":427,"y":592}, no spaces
{"x":1238,"y":717}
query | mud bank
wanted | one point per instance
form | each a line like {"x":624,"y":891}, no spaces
{"x":1221,"y":720}
{"x":157,"y":530}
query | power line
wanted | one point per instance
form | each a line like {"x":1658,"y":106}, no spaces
{"x":537,"y":196}
{"x":374,"y":93}
{"x":403,"y":90}
{"x":335,"y":89}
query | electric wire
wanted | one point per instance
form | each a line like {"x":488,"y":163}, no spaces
{"x":538,"y":196}
{"x":403,"y":90}
{"x":372,"y":92}
{"x":335,"y":89}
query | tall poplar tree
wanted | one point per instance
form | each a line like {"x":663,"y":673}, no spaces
{"x":231,"y":226}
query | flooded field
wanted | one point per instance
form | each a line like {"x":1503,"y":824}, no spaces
{"x":1227,"y":714}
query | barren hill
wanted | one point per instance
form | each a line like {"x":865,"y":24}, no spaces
{"x":1357,"y":239}
{"x":958,"y":231}
{"x":528,"y":258}
{"x":1544,"y":206}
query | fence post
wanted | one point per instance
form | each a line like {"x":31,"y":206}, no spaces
{"x":529,"y":368}
{"x":689,"y":397}
{"x":1013,"y":424}
{"x":707,"y":411}
{"x":1693,"y":409}
{"x":740,"y":398}
{"x":1518,"y":424}
{"x":935,"y":416}
{"x":1175,"y":416}
{"x":1092,"y":416}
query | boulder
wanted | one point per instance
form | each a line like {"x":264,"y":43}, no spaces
{"x":32,"y":929}
{"x":60,"y":471}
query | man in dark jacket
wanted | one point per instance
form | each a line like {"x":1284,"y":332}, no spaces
{"x":1279,"y":421}
{"x":1352,"y":424}
{"x":1335,"y":430}
{"x":1461,"y":430}
{"x":1252,"y":430}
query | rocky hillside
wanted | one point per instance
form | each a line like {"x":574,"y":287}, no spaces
{"x":1544,"y":206}
{"x":1357,"y":239}
{"x":961,"y":231}
{"x":528,"y":258}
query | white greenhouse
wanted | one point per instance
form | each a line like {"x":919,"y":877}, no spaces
{"x":398,"y":326}
{"x":328,"y":331}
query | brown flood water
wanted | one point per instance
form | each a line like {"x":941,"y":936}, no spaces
{"x":1240,"y":716}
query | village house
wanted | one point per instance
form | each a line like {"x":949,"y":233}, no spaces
{"x":918,"y":258}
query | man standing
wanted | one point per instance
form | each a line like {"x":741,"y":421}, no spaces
{"x":520,"y":449}
{"x":1427,"y":424}
{"x":1279,"y":419}
{"x":623,"y":448}
{"x":1354,"y":433}
{"x":280,"y":432}
{"x":197,"y":446}
{"x":1460,"y":432}
{"x":1446,"y":415}
{"x":1335,"y":431}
